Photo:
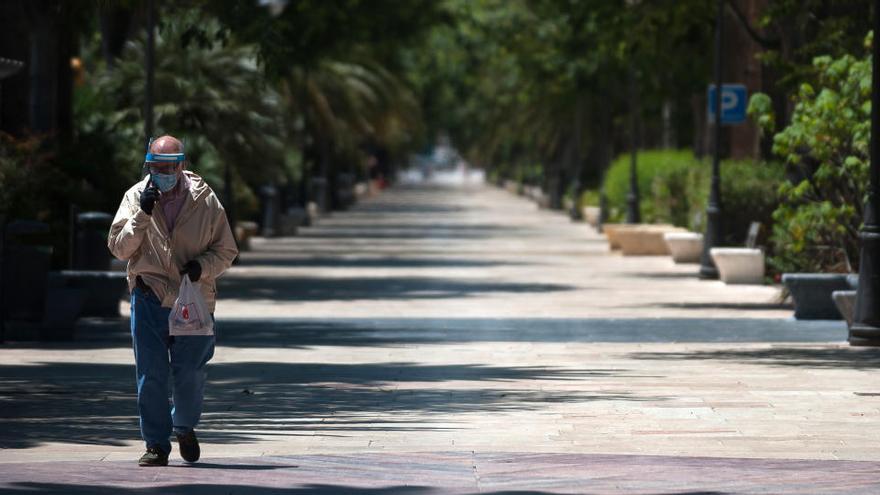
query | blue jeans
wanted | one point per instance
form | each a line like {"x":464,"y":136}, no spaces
{"x":156,"y":354}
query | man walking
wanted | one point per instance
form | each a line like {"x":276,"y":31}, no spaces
{"x":170,"y":224}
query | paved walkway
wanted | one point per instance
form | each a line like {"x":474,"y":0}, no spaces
{"x":439,"y":339}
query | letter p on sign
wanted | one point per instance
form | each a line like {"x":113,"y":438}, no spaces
{"x":734,"y":98}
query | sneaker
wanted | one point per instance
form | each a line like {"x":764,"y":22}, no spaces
{"x":154,"y":456}
{"x":188,"y":446}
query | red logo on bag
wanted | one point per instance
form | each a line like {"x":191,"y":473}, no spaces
{"x":185,"y":313}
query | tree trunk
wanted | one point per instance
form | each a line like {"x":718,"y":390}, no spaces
{"x":743,"y":66}
{"x":15,"y":40}
{"x":43,"y":72}
{"x":578,"y":166}
{"x":115,"y":25}
{"x":68,"y":47}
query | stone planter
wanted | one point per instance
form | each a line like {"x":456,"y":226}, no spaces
{"x":542,"y":200}
{"x":645,"y":240}
{"x":685,"y":247}
{"x":243,"y":232}
{"x":296,"y":217}
{"x":591,"y":215}
{"x":511,"y":186}
{"x":812,"y":294}
{"x":845,"y":300}
{"x":739,"y":265}
{"x":611,"y":230}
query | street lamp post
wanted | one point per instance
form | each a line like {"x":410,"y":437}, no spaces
{"x":150,"y":68}
{"x":7,"y":68}
{"x":633,"y":214}
{"x":712,"y":236}
{"x":865,"y":329}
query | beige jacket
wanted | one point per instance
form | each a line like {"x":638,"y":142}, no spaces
{"x":201,"y":233}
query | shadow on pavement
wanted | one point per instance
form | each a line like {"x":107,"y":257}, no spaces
{"x":404,"y":331}
{"x":836,"y":357}
{"x":416,"y":225}
{"x":415,"y":230}
{"x":665,"y":275}
{"x":408,"y":208}
{"x":260,"y":259}
{"x":366,"y":234}
{"x":233,"y":467}
{"x":343,"y":289}
{"x":310,"y":489}
{"x":91,"y":403}
{"x":771,"y":306}
{"x":358,"y":332}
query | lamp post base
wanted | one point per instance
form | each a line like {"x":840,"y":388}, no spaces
{"x":633,"y":215}
{"x":708,"y":272}
{"x":864,"y":335}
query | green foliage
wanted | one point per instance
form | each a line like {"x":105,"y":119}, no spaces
{"x":308,"y":32}
{"x":674,"y":188}
{"x":761,"y":108}
{"x":800,"y":30}
{"x":518,"y":82}
{"x":826,"y":149}
{"x":590,"y":197}
{"x":208,"y":90}
{"x":211,"y":89}
{"x":29,"y":177}
{"x":666,"y":201}
{"x":41,"y":182}
{"x":749,"y":193}
{"x":211,"y":93}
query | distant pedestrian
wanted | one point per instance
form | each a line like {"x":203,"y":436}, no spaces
{"x":170,"y":224}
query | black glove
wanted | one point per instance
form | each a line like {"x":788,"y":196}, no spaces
{"x":148,"y":199}
{"x":193,"y":269}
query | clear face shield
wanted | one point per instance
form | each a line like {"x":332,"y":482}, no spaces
{"x":163,"y":168}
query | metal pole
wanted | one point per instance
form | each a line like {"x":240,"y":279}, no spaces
{"x":3,"y":275}
{"x":72,"y":254}
{"x":865,"y":329}
{"x":712,"y":236}
{"x":575,"y":214}
{"x":305,"y":177}
{"x":603,"y":211}
{"x":633,"y":213}
{"x":150,"y":68}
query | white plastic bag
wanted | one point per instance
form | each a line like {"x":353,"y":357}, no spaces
{"x":189,"y":315}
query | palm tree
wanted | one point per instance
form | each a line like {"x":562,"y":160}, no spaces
{"x":344,"y":104}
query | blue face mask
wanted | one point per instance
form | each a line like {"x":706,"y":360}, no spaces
{"x":165,"y":182}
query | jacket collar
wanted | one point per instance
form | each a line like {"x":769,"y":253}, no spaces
{"x":197,"y":186}
{"x":197,"y":189}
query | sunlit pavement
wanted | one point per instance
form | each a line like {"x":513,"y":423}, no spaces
{"x":452,"y":338}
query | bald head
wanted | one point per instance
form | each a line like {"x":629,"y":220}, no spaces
{"x":166,"y":144}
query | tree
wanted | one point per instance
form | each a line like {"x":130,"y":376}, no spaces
{"x":826,"y":148}
{"x":519,"y":83}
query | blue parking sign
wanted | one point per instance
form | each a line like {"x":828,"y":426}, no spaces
{"x":733,"y":103}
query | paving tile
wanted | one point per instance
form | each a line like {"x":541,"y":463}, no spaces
{"x":388,"y":349}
